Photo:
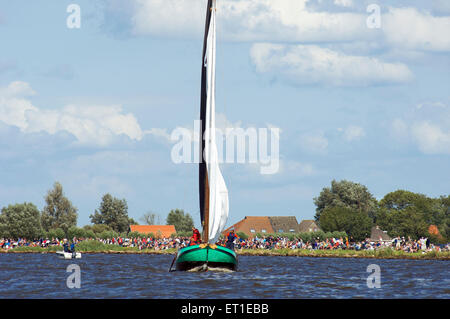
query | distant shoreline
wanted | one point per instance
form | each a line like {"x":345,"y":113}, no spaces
{"x":338,"y":253}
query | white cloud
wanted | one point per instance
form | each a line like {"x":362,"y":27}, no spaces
{"x":427,"y":126}
{"x":169,"y":17}
{"x":353,"y":133}
{"x":17,"y":89}
{"x":344,"y":3}
{"x":404,"y":30}
{"x":430,"y":138}
{"x":311,"y":64}
{"x":90,"y":124}
{"x":248,"y":20}
{"x":14,"y":105}
{"x":159,"y":132}
{"x":314,"y":142}
{"x":291,"y":21}
{"x":410,"y":29}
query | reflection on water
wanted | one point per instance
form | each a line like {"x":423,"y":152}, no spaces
{"x":147,"y":276}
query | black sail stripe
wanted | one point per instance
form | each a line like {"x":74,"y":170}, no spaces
{"x":203,"y":99}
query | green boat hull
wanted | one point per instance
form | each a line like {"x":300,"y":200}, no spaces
{"x":206,"y":256}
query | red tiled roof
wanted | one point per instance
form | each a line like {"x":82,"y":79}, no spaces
{"x":249,"y":223}
{"x":158,"y":230}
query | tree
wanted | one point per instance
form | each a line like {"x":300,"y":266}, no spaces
{"x":446,"y":229}
{"x":150,"y":218}
{"x":113,"y":212}
{"x":21,"y":220}
{"x":404,"y":213}
{"x":402,"y":199}
{"x":56,"y":233}
{"x":242,"y":235}
{"x":408,"y":222}
{"x":356,"y":224}
{"x":346,"y":194}
{"x":97,"y":228}
{"x":131,"y":221}
{"x":444,"y":226}
{"x":182,"y":222}
{"x":58,"y":211}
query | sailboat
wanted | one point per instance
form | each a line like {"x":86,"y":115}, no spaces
{"x":212,"y":189}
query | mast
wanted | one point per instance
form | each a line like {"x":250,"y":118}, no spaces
{"x":203,"y":174}
{"x":213,"y":191}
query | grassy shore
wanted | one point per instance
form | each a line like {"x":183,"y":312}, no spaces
{"x":98,"y":247}
{"x":92,"y":246}
{"x":386,"y":253}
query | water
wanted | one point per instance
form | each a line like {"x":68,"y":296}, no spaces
{"x":146,"y":276}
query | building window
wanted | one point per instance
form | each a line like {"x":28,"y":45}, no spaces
{"x":292,"y":230}
{"x":252,"y":230}
{"x":263,"y":230}
{"x":280,"y":230}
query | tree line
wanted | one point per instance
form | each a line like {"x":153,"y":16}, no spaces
{"x":58,"y":219}
{"x":344,"y":207}
{"x":350,"y":207}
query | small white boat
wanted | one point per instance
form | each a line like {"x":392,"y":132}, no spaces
{"x":65,"y":255}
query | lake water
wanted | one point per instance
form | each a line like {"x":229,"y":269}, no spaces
{"x":147,"y":276}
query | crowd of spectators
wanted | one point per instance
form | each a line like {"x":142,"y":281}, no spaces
{"x":264,"y":242}
{"x":398,"y":243}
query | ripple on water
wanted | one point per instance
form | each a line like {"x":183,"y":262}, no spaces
{"x":147,"y":276}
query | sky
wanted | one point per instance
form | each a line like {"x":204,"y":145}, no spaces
{"x":359,"y":90}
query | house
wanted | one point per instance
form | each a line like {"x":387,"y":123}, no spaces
{"x":308,"y":226}
{"x":252,"y":225}
{"x":379,"y":235}
{"x":159,"y":231}
{"x":284,"y":224}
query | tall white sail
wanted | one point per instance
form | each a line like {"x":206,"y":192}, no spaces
{"x":218,"y":194}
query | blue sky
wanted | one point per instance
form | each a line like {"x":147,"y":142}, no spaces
{"x":93,"y":107}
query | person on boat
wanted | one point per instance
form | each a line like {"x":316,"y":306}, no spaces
{"x":72,"y":245}
{"x":231,"y":236}
{"x":196,"y":238}
{"x":72,"y":248}
{"x":66,"y":246}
